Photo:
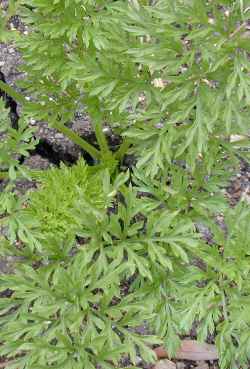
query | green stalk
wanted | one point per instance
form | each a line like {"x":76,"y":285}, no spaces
{"x":123,"y":149}
{"x":90,"y":149}
{"x":60,"y":127}
{"x":101,"y":138}
{"x":13,"y":93}
{"x":80,"y":43}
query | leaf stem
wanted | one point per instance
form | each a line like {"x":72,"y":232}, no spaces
{"x":13,"y":93}
{"x":90,"y":149}
{"x":60,"y":127}
{"x":100,"y":136}
{"x":122,"y":149}
{"x":238,"y":29}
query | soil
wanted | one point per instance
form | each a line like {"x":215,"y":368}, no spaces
{"x":55,"y":147}
{"x":240,"y":185}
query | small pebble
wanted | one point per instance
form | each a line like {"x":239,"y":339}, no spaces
{"x":159,"y":125}
{"x":59,"y":135}
{"x":106,"y":129}
{"x":32,"y":121}
{"x":165,"y":364}
{"x":180,"y":365}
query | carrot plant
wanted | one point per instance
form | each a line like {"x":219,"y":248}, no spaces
{"x":99,"y":251}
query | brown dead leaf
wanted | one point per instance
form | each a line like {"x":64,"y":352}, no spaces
{"x":191,"y":350}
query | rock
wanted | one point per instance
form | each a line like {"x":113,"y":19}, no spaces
{"x":165,"y":364}
{"x":7,"y":264}
{"x":10,"y":60}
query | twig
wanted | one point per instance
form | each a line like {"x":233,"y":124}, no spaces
{"x":238,"y":29}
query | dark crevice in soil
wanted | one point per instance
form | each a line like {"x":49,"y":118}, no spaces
{"x":10,"y":104}
{"x":44,"y":148}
